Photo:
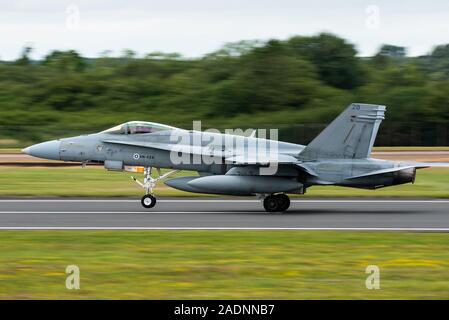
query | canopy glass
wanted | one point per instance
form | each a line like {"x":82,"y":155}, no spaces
{"x":137,"y":127}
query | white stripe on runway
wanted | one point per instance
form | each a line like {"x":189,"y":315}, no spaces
{"x":232,"y":228}
{"x":216,"y":201}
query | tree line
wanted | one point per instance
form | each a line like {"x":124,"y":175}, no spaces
{"x":296,"y":85}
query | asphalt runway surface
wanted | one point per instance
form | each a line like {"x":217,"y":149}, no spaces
{"x":213,"y":213}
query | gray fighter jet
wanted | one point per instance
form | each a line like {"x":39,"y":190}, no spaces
{"x":241,"y":165}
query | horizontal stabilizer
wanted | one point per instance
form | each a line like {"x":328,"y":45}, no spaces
{"x":421,"y":165}
{"x":377,"y":172}
{"x":406,"y":165}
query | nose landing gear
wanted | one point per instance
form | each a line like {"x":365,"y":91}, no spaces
{"x":276,"y":202}
{"x":149,"y":183}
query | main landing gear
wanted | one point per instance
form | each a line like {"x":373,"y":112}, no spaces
{"x":149,"y":183}
{"x":276,"y":202}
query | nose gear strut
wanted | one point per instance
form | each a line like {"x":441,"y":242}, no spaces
{"x":149,"y":183}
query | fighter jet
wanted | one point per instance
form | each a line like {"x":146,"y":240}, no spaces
{"x":241,"y":165}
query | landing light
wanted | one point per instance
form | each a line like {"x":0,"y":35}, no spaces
{"x":134,"y":169}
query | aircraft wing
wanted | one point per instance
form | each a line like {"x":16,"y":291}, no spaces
{"x":278,"y":159}
{"x":257,"y":159}
{"x":307,"y":169}
{"x":252,"y":159}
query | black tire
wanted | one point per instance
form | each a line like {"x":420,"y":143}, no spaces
{"x":148,"y":201}
{"x":271,"y":203}
{"x":284,"y":201}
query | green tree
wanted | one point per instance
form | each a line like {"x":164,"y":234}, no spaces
{"x":65,"y":61}
{"x":24,"y":59}
{"x":334,"y":58}
{"x":441,"y":51}
{"x":392,"y":51}
{"x":271,"y":77}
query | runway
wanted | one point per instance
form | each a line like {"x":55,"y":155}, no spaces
{"x":217,"y":214}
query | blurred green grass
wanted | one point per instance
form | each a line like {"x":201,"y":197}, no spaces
{"x":95,"y":181}
{"x":10,"y":150}
{"x":75,"y":181}
{"x":223,"y":264}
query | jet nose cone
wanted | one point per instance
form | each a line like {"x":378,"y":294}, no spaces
{"x":46,"y":150}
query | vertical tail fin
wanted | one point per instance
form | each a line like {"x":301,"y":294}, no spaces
{"x":350,"y":136}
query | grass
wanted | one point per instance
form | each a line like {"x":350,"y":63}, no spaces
{"x":223,"y":264}
{"x":7,"y":144}
{"x":64,"y":182}
{"x":95,"y":181}
{"x":10,"y":150}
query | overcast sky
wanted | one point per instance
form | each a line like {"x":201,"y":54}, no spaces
{"x":196,"y":27}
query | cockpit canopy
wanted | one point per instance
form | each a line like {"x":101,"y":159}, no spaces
{"x":137,"y":127}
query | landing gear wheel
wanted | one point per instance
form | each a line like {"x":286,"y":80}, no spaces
{"x":271,"y":203}
{"x":148,"y":201}
{"x":284,"y":201}
{"x":276,"y":203}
